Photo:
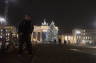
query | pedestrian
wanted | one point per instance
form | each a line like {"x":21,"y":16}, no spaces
{"x":59,"y":41}
{"x":65,"y":42}
{"x":25,"y":30}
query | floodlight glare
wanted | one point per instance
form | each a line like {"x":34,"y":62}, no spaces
{"x":77,"y":32}
{"x":2,"y":20}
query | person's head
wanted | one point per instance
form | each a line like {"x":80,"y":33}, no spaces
{"x":27,"y":17}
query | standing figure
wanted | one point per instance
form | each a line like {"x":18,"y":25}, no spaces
{"x":59,"y":41}
{"x":25,"y":30}
{"x":65,"y":42}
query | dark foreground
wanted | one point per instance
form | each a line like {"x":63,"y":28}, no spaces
{"x":48,"y":54}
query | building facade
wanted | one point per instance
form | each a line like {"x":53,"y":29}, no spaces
{"x":80,"y":37}
{"x":45,"y":33}
{"x":84,"y":36}
{"x":8,"y":32}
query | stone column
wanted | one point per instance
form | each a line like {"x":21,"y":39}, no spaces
{"x":36,"y":36}
{"x":41,"y":37}
{"x":31,"y":37}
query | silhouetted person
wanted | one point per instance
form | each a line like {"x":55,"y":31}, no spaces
{"x":54,"y":41}
{"x":65,"y":42}
{"x":25,"y":30}
{"x":59,"y":41}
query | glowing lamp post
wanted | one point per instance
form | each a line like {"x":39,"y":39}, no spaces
{"x":2,"y":20}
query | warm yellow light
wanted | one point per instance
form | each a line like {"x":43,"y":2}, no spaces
{"x":34,"y":39}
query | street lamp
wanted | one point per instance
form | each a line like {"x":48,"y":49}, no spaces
{"x":2,"y":20}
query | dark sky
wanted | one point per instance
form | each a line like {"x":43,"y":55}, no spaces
{"x":67,"y":14}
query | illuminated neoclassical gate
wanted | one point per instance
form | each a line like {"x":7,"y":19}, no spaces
{"x":40,"y":33}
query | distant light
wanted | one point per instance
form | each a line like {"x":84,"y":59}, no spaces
{"x":78,"y":32}
{"x":1,"y":37}
{"x":2,"y":20}
{"x":7,"y":43}
{"x":44,"y":30}
{"x":8,"y":34}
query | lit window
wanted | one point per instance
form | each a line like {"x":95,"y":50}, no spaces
{"x":1,"y":37}
{"x":86,"y":37}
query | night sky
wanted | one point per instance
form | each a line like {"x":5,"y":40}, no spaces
{"x":66,"y":14}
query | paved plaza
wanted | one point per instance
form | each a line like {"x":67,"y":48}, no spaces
{"x":51,"y":54}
